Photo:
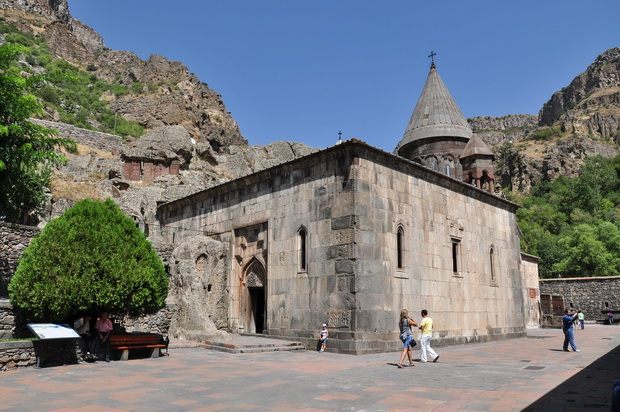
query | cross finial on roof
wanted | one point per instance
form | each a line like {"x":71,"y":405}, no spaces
{"x":432,"y":56}
{"x":339,"y":138}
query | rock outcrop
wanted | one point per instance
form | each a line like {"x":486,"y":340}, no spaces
{"x":199,"y":269}
{"x":498,"y":130}
{"x":590,"y":105}
{"x":520,"y":169}
{"x":165,"y":144}
{"x":97,"y":170}
{"x":583,"y":119}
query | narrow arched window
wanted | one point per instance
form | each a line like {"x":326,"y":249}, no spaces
{"x":492,"y":263}
{"x":302,"y":242}
{"x":400,"y":241}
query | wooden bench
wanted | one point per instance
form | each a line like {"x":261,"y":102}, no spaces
{"x":126,"y":342}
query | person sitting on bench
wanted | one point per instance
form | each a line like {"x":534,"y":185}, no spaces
{"x":82,"y":327}
{"x":104,"y":328}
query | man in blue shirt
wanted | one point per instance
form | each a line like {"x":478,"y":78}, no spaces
{"x":567,"y":328}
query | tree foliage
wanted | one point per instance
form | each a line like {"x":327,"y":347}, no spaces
{"x":26,"y":150}
{"x":75,"y":95}
{"x":574,"y":224}
{"x":90,"y":258}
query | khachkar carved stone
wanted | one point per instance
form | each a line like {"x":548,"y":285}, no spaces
{"x":339,"y":319}
{"x":455,"y":225}
{"x":343,"y":236}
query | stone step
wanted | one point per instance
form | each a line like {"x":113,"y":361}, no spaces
{"x":232,"y":347}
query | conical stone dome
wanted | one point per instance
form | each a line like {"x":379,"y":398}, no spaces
{"x":436,"y":115}
{"x":476,"y":147}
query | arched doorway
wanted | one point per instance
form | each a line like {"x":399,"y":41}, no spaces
{"x":255,"y":283}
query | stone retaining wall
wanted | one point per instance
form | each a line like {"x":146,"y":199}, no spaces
{"x":593,"y":296}
{"x":155,"y":323}
{"x":51,"y":352}
{"x":13,"y":240}
{"x":98,"y":140}
{"x":7,"y":320}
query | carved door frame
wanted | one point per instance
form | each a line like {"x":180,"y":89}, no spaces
{"x":253,"y":302}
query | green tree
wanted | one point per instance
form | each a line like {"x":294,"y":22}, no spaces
{"x":573,"y":224}
{"x":588,"y":251}
{"x":26,"y":150}
{"x":92,"y":257}
{"x":597,"y":180}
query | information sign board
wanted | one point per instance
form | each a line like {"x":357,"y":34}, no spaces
{"x":52,"y":331}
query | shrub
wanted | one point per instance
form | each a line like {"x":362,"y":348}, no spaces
{"x":137,"y":87}
{"x":92,"y":257}
{"x":546,"y":133}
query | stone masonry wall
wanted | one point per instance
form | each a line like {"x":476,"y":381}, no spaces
{"x":7,"y":320}
{"x":15,"y":355}
{"x":594,"y":296}
{"x":52,"y":352}
{"x":13,"y":240}
{"x":154,"y":323}
{"x":98,"y":140}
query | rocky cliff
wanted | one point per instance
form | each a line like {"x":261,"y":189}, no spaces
{"x":186,"y":121}
{"x":170,"y":94}
{"x":580,"y":106}
{"x":581,"y":120}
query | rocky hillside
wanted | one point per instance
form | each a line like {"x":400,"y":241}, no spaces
{"x":162,"y":92}
{"x":185,"y":121}
{"x":581,"y":120}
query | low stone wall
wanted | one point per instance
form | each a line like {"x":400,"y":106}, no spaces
{"x":51,"y":352}
{"x":14,"y":355}
{"x":98,"y":140}
{"x":593,"y":296}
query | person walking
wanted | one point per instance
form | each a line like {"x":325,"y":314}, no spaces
{"x":581,"y":318}
{"x":567,"y":328}
{"x":405,"y":325}
{"x":427,"y":333}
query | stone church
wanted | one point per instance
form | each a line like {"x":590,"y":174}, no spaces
{"x":351,"y":234}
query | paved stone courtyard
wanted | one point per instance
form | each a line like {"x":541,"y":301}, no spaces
{"x":531,"y":373}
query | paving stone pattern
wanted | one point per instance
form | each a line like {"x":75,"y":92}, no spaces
{"x":530,"y":373}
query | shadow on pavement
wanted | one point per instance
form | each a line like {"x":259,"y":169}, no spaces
{"x":588,"y":390}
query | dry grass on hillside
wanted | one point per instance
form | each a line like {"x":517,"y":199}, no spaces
{"x":63,"y":187}
{"x":535,"y":150}
{"x":84,"y":150}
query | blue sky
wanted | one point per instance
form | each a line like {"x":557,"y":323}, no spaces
{"x":302,"y":71}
